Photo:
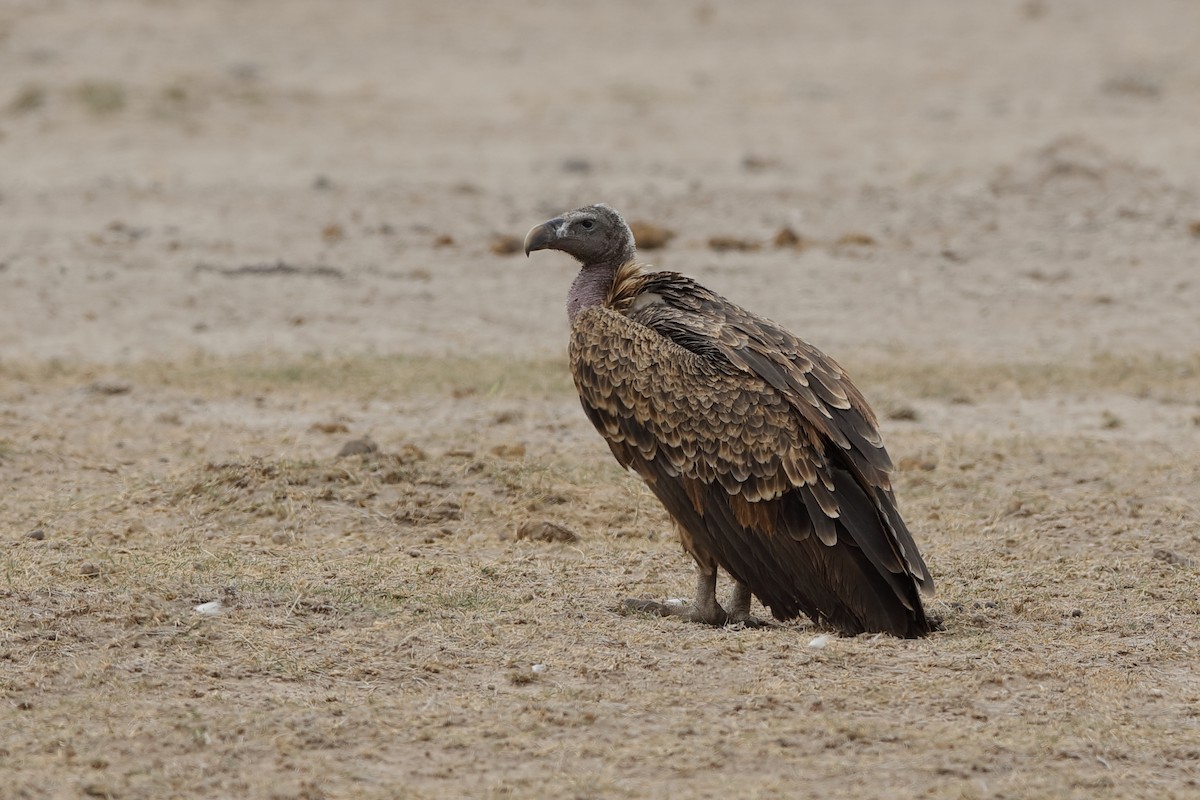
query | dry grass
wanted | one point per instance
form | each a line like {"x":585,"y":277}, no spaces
{"x":362,"y":377}
{"x":379,"y":621}
{"x":1158,"y":377}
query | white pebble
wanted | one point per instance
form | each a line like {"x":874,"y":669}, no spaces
{"x":539,"y":668}
{"x":676,"y":601}
{"x":210,"y":609}
{"x":819,"y":642}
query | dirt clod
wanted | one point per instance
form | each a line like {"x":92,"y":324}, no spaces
{"x":1174,"y":558}
{"x":786,"y":237}
{"x":505,"y":245}
{"x":903,"y":413}
{"x":856,"y":239}
{"x":723,"y":244}
{"x":509,"y":451}
{"x":542,"y":531}
{"x":650,"y":236}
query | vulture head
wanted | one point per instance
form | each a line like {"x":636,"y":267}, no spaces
{"x":593,"y":235}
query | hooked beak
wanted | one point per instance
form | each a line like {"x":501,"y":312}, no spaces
{"x":542,"y":236}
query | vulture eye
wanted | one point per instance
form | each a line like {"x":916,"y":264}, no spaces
{"x":586,"y":224}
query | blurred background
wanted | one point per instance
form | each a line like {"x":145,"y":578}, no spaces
{"x":297,"y":495}
{"x":1009,"y":180}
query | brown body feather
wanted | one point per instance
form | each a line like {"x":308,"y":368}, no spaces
{"x":759,"y":446}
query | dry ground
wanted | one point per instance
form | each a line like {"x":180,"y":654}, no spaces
{"x":236,"y":236}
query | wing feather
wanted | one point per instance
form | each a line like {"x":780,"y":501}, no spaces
{"x":759,"y":447}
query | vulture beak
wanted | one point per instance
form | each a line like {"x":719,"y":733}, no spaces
{"x":542,"y":236}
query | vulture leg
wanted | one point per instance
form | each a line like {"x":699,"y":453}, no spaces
{"x":739,"y":608}
{"x":704,"y":608}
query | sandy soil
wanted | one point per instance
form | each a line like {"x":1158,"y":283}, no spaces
{"x":235,"y":236}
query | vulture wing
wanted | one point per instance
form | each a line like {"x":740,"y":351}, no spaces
{"x":758,"y":445}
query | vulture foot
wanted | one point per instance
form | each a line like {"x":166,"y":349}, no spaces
{"x":739,"y":610}
{"x":705,"y":607}
{"x":749,"y":621}
{"x":717,"y":617}
{"x":689,"y":611}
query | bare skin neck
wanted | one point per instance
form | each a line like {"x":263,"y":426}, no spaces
{"x":590,"y":288}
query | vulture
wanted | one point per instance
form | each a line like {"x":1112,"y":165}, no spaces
{"x":765,"y":455}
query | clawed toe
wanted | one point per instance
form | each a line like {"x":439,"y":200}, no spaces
{"x":716,"y":617}
{"x":676,"y":608}
{"x":669,"y":609}
{"x":749,"y":621}
{"x":643,"y":606}
{"x":705,"y":607}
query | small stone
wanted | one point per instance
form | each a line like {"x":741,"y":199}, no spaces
{"x":209,"y":609}
{"x":752,"y":162}
{"x":89,"y":569}
{"x":358,"y":447}
{"x":109,"y":388}
{"x":37,"y":534}
{"x":819,"y":642}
